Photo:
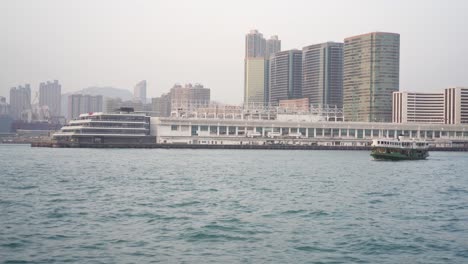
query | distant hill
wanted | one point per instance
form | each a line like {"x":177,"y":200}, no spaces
{"x":107,"y":92}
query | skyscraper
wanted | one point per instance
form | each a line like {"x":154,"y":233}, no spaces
{"x":50,"y":95}
{"x":371,"y":75}
{"x":273,"y":45}
{"x":322,"y":74}
{"x":20,"y":101}
{"x":285,"y":75}
{"x":257,"y":53}
{"x":139,"y":91}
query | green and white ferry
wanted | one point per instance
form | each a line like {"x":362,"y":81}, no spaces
{"x":399,"y":149}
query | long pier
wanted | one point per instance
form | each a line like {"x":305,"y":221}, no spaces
{"x":219,"y":146}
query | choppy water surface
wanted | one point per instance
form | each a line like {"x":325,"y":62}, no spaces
{"x":230,"y":206}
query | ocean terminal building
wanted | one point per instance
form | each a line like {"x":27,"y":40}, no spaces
{"x":279,"y":126}
{"x":228,"y":125}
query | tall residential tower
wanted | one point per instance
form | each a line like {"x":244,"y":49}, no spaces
{"x":257,"y":53}
{"x":50,"y":95}
{"x":20,"y":101}
{"x":371,"y":75}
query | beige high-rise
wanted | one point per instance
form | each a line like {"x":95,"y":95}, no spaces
{"x":257,"y":54}
{"x":371,"y":75}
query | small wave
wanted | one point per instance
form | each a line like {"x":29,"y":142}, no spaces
{"x":220,"y":227}
{"x":456,"y":190}
{"x":184,"y":204}
{"x":317,"y":213}
{"x":375,"y":201}
{"x":12,"y":245}
{"x":27,"y":187}
{"x":203,"y":236}
{"x":15,"y":261}
{"x":314,"y":249}
{"x":293,"y":212}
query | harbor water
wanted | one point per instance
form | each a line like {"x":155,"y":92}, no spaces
{"x":230,"y":206}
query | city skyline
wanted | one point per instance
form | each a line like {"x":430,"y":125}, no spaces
{"x":27,"y":60}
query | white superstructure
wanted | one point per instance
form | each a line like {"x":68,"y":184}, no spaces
{"x":120,"y":127}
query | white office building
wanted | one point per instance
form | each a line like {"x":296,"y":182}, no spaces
{"x":411,"y":107}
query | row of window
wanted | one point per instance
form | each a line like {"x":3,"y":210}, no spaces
{"x":321,"y":132}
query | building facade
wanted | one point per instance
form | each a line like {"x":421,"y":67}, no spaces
{"x":20,"y":101}
{"x":161,"y":106}
{"x":50,"y":95}
{"x":456,"y":105}
{"x":322,"y":74}
{"x":285,"y":76}
{"x":370,"y":76}
{"x":411,"y":107}
{"x":139,"y":92}
{"x":189,"y":95}
{"x":79,"y":104}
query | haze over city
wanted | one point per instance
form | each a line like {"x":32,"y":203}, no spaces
{"x":118,"y":43}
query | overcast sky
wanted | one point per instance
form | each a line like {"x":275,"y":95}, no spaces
{"x":118,"y":43}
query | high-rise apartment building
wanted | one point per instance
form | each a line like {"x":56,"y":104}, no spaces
{"x":255,"y":45}
{"x":20,"y":101}
{"x":285,"y":76}
{"x":257,"y":53}
{"x":411,"y":107}
{"x":273,"y":45}
{"x":50,"y":95}
{"x":370,"y":76}
{"x":189,"y":95}
{"x":322,"y":74}
{"x":80,"y":104}
{"x":139,"y":91}
{"x":456,"y":105}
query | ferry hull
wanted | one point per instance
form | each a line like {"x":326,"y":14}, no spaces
{"x":398,"y":156}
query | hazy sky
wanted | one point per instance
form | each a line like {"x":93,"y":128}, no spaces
{"x":118,"y":43}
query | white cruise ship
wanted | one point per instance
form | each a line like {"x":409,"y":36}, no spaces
{"x":121,"y":127}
